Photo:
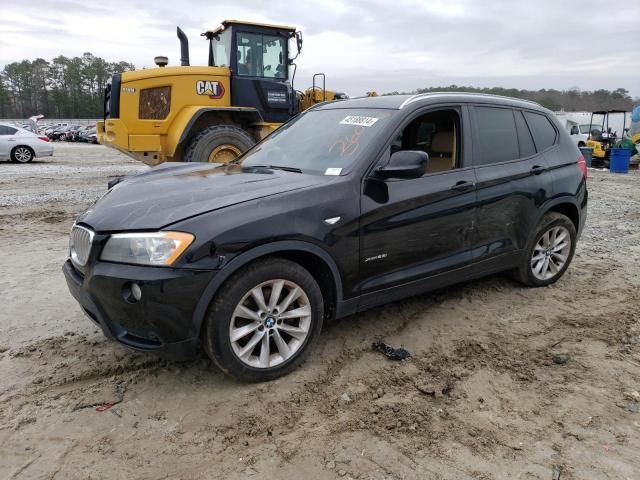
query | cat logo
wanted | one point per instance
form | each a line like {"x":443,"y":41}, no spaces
{"x":211,"y":88}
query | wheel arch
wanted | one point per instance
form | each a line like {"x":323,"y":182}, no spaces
{"x":206,"y":117}
{"x":308,"y":255}
{"x":24,"y":145}
{"x":565,"y":205}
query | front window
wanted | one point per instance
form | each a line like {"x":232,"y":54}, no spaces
{"x":261,"y":55}
{"x":320,"y":142}
{"x":222,"y":49}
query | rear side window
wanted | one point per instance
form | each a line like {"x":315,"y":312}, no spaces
{"x":497,"y":140}
{"x":543,"y":132}
{"x":527,"y":148}
{"x":4,"y":130}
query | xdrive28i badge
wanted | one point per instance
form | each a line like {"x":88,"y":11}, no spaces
{"x":211,"y":88}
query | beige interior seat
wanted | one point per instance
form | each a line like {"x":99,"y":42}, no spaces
{"x":442,"y":152}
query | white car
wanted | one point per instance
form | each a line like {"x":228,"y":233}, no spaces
{"x":21,"y":145}
{"x":580,"y":133}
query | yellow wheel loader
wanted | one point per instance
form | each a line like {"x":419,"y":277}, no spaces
{"x":209,"y":113}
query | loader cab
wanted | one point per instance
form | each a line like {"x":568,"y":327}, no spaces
{"x":258,"y":57}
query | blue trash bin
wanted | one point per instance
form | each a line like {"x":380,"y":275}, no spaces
{"x":619,"y":160}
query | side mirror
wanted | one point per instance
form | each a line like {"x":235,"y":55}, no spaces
{"x":299,"y":41}
{"x":405,"y":164}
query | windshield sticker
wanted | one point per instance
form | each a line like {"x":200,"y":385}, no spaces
{"x":333,"y":171}
{"x":360,"y":121}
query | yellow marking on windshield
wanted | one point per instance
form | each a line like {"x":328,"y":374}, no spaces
{"x":349,"y":144}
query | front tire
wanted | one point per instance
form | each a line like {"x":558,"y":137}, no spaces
{"x":22,"y":154}
{"x":264,"y":321}
{"x":218,"y":144}
{"x":549,"y":251}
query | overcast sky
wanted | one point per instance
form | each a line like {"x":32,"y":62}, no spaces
{"x":360,"y":45}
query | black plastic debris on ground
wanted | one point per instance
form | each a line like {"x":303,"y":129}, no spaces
{"x":390,"y":352}
{"x":561,"y":358}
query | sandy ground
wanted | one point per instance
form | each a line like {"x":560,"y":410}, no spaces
{"x":480,"y":398}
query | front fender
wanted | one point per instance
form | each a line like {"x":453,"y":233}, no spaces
{"x":245,"y":258}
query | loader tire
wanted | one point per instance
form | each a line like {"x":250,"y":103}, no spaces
{"x":218,"y":144}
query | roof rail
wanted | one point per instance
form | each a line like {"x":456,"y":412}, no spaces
{"x":418,"y":96}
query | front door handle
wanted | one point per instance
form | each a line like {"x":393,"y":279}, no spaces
{"x":537,"y":169}
{"x":463,"y":185}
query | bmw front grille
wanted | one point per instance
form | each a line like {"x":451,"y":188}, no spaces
{"x":80,"y":245}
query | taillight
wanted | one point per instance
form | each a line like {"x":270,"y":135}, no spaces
{"x":582,"y":165}
{"x":44,"y":139}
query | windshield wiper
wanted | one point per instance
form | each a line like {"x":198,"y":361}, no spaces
{"x":277,"y":167}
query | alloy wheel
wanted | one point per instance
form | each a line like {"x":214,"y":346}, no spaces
{"x":550,"y":253}
{"x":270,"y":324}
{"x":22,"y":154}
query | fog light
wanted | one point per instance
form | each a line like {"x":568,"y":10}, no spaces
{"x":135,"y":291}
{"x":132,"y":293}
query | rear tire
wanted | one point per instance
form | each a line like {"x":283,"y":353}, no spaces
{"x":22,"y":154}
{"x":218,"y":144}
{"x":255,"y":340}
{"x":549,"y":251}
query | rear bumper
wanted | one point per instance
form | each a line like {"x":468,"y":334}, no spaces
{"x":161,"y":322}
{"x":44,"y":152}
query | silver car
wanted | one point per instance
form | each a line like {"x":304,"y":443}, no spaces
{"x":21,"y":145}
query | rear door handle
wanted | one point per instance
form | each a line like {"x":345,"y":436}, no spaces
{"x":463,"y":185}
{"x":537,"y":169}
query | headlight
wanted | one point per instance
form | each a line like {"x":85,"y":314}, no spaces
{"x":156,"y":248}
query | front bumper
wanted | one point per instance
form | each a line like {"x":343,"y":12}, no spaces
{"x":162,"y":321}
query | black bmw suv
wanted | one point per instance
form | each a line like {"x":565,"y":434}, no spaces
{"x":350,"y":205}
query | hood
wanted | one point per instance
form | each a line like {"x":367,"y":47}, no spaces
{"x":173,"y":192}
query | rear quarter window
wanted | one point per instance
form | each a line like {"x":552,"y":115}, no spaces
{"x":527,"y":148}
{"x":544,"y":134}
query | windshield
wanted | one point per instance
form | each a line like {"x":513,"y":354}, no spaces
{"x":321,"y":142}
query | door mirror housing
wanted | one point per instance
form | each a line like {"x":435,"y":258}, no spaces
{"x":405,"y":164}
